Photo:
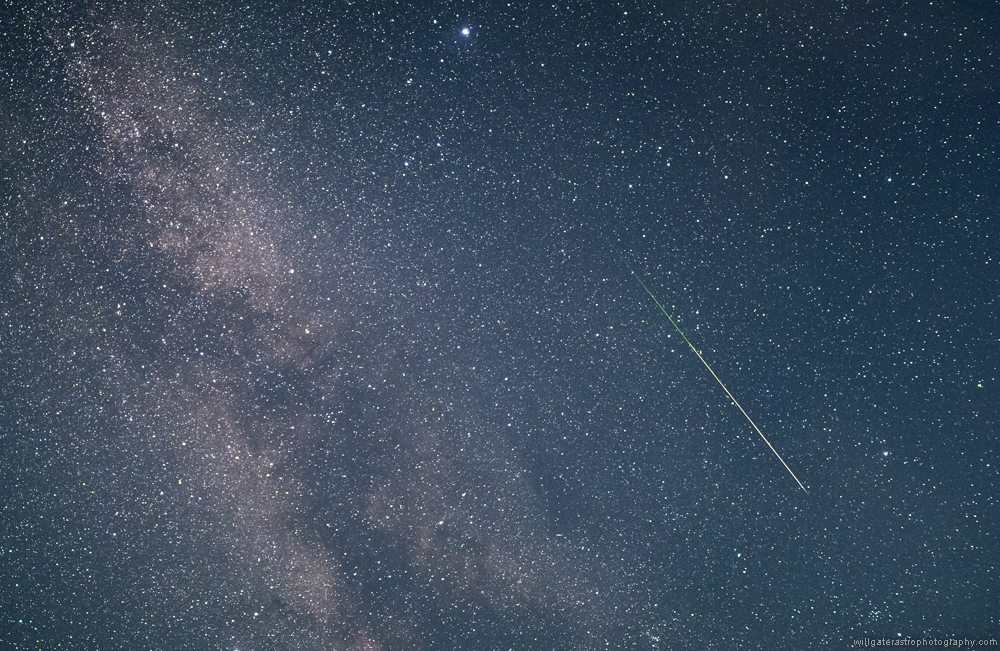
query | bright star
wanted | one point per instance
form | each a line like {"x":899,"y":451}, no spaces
{"x":465,"y":31}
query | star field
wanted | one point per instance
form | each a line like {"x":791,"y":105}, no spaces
{"x":319,"y":329}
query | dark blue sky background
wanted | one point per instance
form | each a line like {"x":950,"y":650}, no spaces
{"x":319,"y":329}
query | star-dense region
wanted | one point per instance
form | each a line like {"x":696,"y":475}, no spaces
{"x":322,"y":325}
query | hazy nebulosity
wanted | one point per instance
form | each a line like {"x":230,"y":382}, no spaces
{"x":319,"y":330}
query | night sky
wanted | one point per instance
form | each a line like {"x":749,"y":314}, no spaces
{"x":320,"y":327}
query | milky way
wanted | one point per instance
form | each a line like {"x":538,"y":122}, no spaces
{"x":317,"y":332}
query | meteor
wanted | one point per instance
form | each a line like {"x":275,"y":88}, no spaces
{"x":735,"y":402}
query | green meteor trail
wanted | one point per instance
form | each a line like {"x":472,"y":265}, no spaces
{"x":735,"y":402}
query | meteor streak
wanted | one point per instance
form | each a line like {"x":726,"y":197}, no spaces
{"x":735,"y":402}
